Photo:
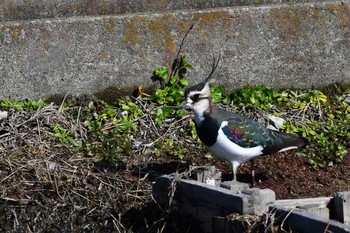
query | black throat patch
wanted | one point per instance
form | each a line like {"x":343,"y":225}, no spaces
{"x":208,"y":130}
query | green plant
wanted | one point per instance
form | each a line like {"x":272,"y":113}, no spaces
{"x":27,"y":104}
{"x":63,"y":135}
{"x":171,"y":92}
{"x":328,"y":135}
{"x":110,"y":130}
{"x":218,"y":95}
{"x":252,"y":97}
{"x":171,"y":148}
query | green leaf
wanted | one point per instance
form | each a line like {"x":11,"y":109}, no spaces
{"x":184,"y":62}
{"x":162,"y":72}
{"x":184,"y":82}
{"x":173,"y":80}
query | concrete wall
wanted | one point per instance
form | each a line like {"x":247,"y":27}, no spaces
{"x":13,"y":10}
{"x":300,"y":45}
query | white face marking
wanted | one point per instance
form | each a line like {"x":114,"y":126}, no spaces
{"x":199,"y":102}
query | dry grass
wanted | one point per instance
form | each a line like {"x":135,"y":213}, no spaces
{"x":48,"y":184}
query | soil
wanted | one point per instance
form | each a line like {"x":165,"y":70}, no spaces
{"x":290,"y":176}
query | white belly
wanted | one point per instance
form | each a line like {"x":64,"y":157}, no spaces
{"x":227,"y":150}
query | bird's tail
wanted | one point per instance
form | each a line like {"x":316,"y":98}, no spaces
{"x":280,"y":142}
{"x":291,"y":141}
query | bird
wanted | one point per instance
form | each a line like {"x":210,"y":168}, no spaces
{"x":231,"y":136}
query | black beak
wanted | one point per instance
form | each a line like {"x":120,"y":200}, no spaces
{"x":183,"y":105}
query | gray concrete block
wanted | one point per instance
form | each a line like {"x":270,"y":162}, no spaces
{"x":208,"y":175}
{"x":281,"y":46}
{"x":318,"y":206}
{"x":342,"y":206}
{"x":318,"y":210}
{"x":163,"y":191}
{"x":203,"y":202}
{"x":262,"y":199}
{"x":199,"y":200}
{"x":297,"y":220}
{"x":235,"y":187}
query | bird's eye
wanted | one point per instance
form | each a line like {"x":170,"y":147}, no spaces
{"x":195,"y":97}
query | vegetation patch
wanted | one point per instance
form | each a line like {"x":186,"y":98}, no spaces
{"x":85,"y":165}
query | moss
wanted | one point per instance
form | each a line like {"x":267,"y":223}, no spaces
{"x":131,"y":34}
{"x":104,"y":56}
{"x":22,"y":34}
{"x":222,"y":21}
{"x":213,"y":18}
{"x":342,"y":11}
{"x":158,"y":32}
{"x":288,"y":22}
{"x":75,"y":6}
{"x":160,"y":28}
{"x":18,"y":34}
{"x":110,"y":24}
{"x":294,"y":23}
{"x":14,"y":34}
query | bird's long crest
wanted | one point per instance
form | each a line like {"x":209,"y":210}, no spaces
{"x":215,"y":65}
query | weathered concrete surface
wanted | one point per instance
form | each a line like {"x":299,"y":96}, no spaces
{"x":300,"y":221}
{"x":234,"y":186}
{"x":203,"y":202}
{"x":281,"y":46}
{"x":319,"y":206}
{"x":13,"y":10}
{"x":342,"y":206}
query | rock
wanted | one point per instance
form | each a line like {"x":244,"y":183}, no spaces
{"x":3,"y":115}
{"x":277,"y":122}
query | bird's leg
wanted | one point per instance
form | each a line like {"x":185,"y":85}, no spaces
{"x":252,"y":171}
{"x":234,"y":169}
{"x":234,"y":176}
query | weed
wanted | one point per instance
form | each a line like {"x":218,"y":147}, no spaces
{"x":27,"y":104}
{"x":253,"y":97}
{"x":63,"y":135}
{"x":110,"y":129}
{"x":171,"y":92}
{"x":218,"y":95}
{"x":171,"y":148}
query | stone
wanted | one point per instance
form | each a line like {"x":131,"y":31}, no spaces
{"x":318,"y":206}
{"x":262,"y":199}
{"x":347,"y":99}
{"x":342,"y":206}
{"x":3,"y":115}
{"x":208,"y":175}
{"x":234,"y":186}
{"x":297,"y":220}
{"x":277,"y":122}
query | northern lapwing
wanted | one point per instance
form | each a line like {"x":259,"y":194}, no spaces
{"x":233,"y":137}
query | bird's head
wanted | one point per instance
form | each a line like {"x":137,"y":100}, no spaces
{"x":197,"y":97}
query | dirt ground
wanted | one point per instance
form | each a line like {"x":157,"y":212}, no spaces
{"x":290,"y":176}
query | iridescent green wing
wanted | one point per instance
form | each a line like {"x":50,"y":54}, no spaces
{"x":248,"y":133}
